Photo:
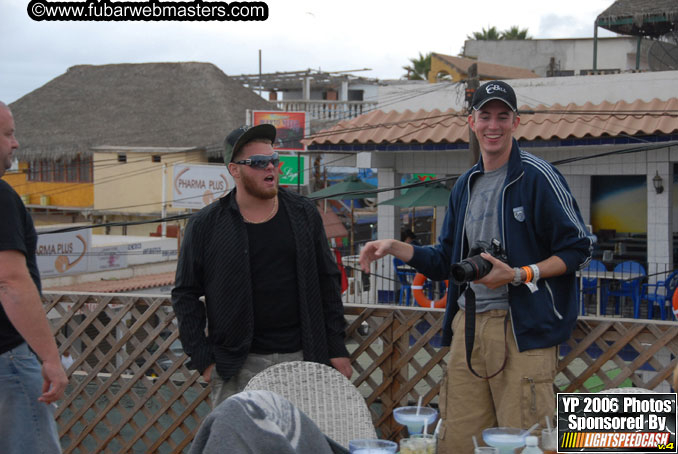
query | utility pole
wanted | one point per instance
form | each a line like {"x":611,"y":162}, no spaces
{"x":471,"y":87}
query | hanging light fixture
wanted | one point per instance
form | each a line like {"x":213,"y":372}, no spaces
{"x":657,"y":182}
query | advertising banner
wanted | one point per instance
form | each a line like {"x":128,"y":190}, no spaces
{"x":196,"y":186}
{"x":63,"y":253}
{"x":290,"y":126}
{"x":289,"y":170}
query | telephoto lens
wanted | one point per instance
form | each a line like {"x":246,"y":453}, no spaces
{"x":470,"y":269}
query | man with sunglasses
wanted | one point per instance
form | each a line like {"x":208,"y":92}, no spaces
{"x":261,"y":259}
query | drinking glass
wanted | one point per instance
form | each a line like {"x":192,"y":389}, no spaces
{"x":549,"y":440}
{"x":372,"y":446}
{"x":418,"y":444}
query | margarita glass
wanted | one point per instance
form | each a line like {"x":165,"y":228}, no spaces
{"x":415,"y":418}
{"x":506,"y":439}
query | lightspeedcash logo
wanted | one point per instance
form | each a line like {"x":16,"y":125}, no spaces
{"x":151,"y":10}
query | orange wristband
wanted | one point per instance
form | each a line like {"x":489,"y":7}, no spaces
{"x":528,"y":273}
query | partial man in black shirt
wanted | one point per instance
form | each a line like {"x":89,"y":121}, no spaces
{"x":260,"y":258}
{"x":27,"y":389}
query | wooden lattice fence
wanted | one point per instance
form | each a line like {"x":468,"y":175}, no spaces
{"x":131,"y":392}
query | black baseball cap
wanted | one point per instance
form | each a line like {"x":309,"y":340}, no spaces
{"x":239,"y":137}
{"x":495,"y":89}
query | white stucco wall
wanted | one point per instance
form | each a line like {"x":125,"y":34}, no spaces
{"x":423,"y":95}
{"x":569,"y":54}
{"x":532,"y":92}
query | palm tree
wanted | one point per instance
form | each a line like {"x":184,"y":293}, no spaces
{"x":515,"y":33}
{"x":419,"y":68}
{"x":491,"y":34}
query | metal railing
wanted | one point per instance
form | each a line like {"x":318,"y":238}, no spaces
{"x":327,"y":110}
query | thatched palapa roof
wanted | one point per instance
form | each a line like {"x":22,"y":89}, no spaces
{"x":189,"y":104}
{"x":652,"y":18}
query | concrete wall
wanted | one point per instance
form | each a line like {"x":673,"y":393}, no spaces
{"x":370,"y":92}
{"x":423,"y":95}
{"x":136,"y":184}
{"x":569,"y":54}
{"x":579,"y":90}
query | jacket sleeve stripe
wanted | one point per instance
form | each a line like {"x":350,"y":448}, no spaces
{"x":563,"y":195}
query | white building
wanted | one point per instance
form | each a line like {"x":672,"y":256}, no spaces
{"x":567,"y":57}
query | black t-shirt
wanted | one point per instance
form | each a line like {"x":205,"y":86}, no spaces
{"x":17,"y":233}
{"x":273,"y":265}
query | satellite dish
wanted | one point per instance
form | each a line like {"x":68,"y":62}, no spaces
{"x":663,"y":55}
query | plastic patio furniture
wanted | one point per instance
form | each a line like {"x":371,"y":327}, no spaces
{"x":589,"y":285}
{"x":660,"y":293}
{"x":628,"y":390}
{"x":626,"y":287}
{"x":405,"y":277}
{"x":323,"y":394}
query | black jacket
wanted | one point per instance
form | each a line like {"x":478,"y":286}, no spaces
{"x":214,"y":263}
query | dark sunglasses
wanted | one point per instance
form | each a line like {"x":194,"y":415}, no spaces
{"x":259,"y":161}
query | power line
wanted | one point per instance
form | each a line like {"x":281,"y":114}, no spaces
{"x":371,"y":191}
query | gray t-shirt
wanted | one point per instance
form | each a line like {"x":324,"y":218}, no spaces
{"x":482,"y":224}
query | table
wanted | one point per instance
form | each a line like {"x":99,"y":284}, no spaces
{"x":605,"y":275}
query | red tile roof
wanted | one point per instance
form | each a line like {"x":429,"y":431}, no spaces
{"x":119,"y":285}
{"x":541,"y":122}
{"x":334,"y":228}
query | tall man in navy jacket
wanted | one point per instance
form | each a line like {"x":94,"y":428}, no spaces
{"x":523,"y":308}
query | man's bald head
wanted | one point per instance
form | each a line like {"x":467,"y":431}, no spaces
{"x":8,"y":142}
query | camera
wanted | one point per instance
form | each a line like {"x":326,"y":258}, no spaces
{"x":474,"y":267}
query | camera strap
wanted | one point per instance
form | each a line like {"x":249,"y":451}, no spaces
{"x":470,"y":332}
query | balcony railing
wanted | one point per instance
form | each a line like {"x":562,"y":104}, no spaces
{"x":327,"y":110}
{"x":131,"y":392}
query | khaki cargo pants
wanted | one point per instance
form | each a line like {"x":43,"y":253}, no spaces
{"x":519,"y":396}
{"x":254,"y":364}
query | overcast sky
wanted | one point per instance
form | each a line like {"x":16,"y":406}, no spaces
{"x":299,"y":34}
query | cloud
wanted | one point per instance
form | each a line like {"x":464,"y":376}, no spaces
{"x":557,"y":26}
{"x":357,"y":34}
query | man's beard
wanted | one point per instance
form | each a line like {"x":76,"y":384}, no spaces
{"x":254,"y":190}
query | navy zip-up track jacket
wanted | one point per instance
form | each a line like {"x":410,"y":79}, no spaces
{"x":538,"y":218}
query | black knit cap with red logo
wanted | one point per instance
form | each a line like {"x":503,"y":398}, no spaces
{"x":495,"y":89}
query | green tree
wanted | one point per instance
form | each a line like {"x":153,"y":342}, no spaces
{"x":419,"y":67}
{"x":515,"y":33}
{"x":491,"y":34}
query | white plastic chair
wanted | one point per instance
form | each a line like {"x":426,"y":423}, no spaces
{"x":323,"y":394}
{"x":628,"y":390}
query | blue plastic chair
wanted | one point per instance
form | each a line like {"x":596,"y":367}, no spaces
{"x":629,"y":288}
{"x":405,"y":278}
{"x":589,"y":285}
{"x":659,"y":293}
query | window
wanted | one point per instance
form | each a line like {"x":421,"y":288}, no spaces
{"x":59,"y":172}
{"x":355,"y":95}
{"x":46,"y":169}
{"x":77,"y":170}
{"x":72,"y":170}
{"x":156,"y":158}
{"x":122,"y":157}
